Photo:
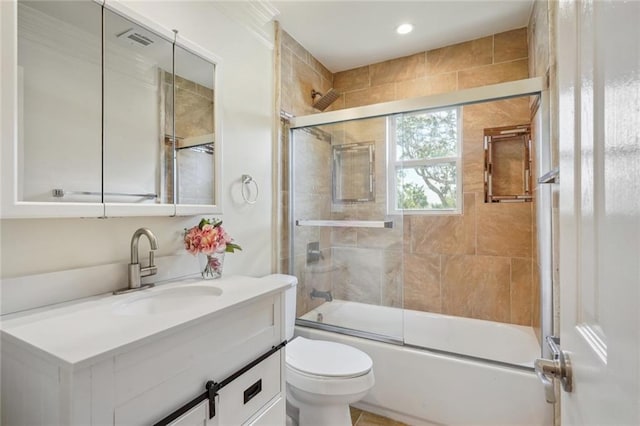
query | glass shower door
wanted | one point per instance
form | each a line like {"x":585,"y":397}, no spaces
{"x":346,"y":249}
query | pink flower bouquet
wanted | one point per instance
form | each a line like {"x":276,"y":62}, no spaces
{"x":209,"y":238}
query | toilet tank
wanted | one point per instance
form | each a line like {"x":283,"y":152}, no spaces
{"x":290,"y":302}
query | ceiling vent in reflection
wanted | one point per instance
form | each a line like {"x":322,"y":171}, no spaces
{"x":135,"y":36}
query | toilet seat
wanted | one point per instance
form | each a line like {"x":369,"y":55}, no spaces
{"x":327,"y":368}
{"x":327,"y":360}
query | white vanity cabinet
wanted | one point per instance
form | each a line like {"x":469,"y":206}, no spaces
{"x":146,"y":380}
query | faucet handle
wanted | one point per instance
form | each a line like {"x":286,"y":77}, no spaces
{"x":151,"y":258}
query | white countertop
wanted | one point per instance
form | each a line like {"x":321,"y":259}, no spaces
{"x":82,"y":332}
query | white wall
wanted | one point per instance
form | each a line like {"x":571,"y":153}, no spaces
{"x":31,"y":246}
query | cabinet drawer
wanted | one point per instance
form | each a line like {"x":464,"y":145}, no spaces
{"x":246,"y":395}
{"x":197,"y":416}
{"x":273,"y":415}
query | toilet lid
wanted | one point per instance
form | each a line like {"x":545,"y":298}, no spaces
{"x":329,"y":359}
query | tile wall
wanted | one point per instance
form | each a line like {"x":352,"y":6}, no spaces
{"x":477,"y":264}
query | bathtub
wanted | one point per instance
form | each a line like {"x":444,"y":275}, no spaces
{"x":430,"y":386}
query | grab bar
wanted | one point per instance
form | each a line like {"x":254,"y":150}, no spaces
{"x":59,"y":193}
{"x":347,"y":223}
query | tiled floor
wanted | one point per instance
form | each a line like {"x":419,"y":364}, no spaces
{"x":364,"y":418}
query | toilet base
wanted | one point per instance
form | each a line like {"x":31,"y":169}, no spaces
{"x":335,"y":415}
{"x":319,"y":414}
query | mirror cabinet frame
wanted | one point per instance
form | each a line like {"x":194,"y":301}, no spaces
{"x":11,"y":206}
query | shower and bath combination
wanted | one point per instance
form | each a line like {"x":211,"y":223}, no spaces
{"x":402,"y":293}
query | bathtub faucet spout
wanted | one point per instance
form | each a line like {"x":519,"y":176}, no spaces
{"x":326,"y":295}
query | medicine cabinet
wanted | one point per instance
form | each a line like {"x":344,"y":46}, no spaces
{"x":108,"y":114}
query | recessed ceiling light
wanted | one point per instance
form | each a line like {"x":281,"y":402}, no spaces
{"x":404,"y":28}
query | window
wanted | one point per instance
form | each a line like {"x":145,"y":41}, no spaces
{"x":425,"y":162}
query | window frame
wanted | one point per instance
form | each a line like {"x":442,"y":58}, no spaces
{"x":394,"y":165}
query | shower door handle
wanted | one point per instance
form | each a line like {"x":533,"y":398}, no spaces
{"x":557,"y":368}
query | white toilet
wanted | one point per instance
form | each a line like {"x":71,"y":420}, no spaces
{"x":323,"y":377}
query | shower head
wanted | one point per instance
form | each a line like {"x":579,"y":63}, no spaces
{"x":324,"y":100}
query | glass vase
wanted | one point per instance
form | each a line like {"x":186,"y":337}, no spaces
{"x":211,"y":265}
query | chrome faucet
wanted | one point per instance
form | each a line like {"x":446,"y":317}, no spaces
{"x":135,"y":270}
{"x":326,"y":295}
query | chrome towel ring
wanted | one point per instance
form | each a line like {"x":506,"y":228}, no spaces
{"x":246,"y":181}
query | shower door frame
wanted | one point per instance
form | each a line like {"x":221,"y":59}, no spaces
{"x":536,"y":86}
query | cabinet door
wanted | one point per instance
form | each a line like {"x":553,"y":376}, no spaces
{"x":249,"y":393}
{"x":138,"y":93}
{"x":197,"y":416}
{"x":197,"y":143}
{"x":51,"y":96}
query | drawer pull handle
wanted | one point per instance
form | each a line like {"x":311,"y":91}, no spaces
{"x":252,"y":391}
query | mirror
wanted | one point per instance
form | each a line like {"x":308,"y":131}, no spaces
{"x":194,"y":128}
{"x":103,"y":121}
{"x":59,"y":102}
{"x":136,"y":63}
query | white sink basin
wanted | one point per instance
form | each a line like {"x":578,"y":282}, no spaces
{"x":160,"y":301}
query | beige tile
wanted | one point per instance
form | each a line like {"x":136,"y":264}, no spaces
{"x":373,"y":95}
{"x":476,"y":287}
{"x":205,"y":92}
{"x":185,"y":84}
{"x":508,"y":166}
{"x":367,"y":130}
{"x":321,"y":69}
{"x":357,"y":274}
{"x":460,"y":56}
{"x":400,"y":69}
{"x":510,"y":45}
{"x":370,"y":419}
{"x":422,"y":282}
{"x":425,"y":86}
{"x":493,"y":74}
{"x":535,"y":301}
{"x":304,"y":80}
{"x":286,"y":78}
{"x":475,"y":118}
{"x":296,"y":48}
{"x":534,"y":225}
{"x":344,"y":237}
{"x":319,"y":274}
{"x":194,"y":114}
{"x":392,"y":282}
{"x":283,"y":267}
{"x":353,"y":79}
{"x":302,"y":295}
{"x":382,"y":238}
{"x":504,"y":229}
{"x":284,"y":227}
{"x":494,"y":114}
{"x":446,"y":234}
{"x":539,"y":38}
{"x":313,"y":161}
{"x":521,"y":303}
{"x":406,"y":234}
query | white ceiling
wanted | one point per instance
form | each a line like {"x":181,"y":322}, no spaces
{"x":348,"y":34}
